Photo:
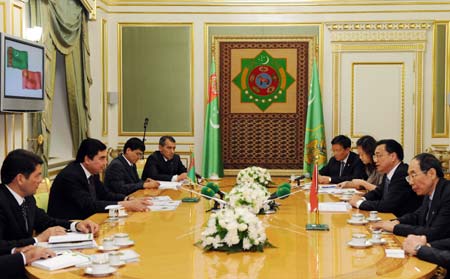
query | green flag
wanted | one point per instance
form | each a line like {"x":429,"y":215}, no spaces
{"x":17,"y":59}
{"x":191,"y":170}
{"x":315,"y":148}
{"x":212,"y":153}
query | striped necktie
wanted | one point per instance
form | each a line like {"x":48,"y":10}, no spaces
{"x":23,"y":208}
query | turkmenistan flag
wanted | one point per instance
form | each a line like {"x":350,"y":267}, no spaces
{"x":17,"y":58}
{"x":191,"y":170}
{"x":315,"y":147}
{"x":212,"y":153}
{"x":31,"y":80}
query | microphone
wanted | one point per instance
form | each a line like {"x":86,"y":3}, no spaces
{"x":281,"y":196}
{"x":303,"y":176}
{"x":206,"y":194}
{"x":215,"y":188}
{"x":282,"y":192}
{"x":145,"y":128}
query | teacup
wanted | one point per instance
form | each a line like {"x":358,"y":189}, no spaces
{"x":373,"y":215}
{"x":121,"y":239}
{"x":357,"y":217}
{"x":376,"y":235}
{"x":100,"y":264}
{"x":113,"y":212}
{"x":359,"y":238}
{"x":108,"y":243}
{"x":114,"y":258}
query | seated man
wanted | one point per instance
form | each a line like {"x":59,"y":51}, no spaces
{"x":393,"y":195}
{"x":165,"y":165}
{"x":12,"y":266}
{"x":21,"y":174}
{"x":121,"y":175}
{"x":77,"y":191}
{"x":345,"y":165}
{"x":432,"y":219}
{"x":437,"y":252}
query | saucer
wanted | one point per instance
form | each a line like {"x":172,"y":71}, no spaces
{"x":354,"y":245}
{"x":124,"y":244}
{"x":378,"y":241}
{"x":103,"y":249}
{"x":353,"y":222}
{"x":121,"y":263}
{"x":109,"y":270}
{"x":373,"y":220}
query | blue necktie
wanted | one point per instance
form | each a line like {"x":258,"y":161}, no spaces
{"x":428,"y":208}
{"x":386,"y":186}
{"x":341,"y":169}
{"x":23,"y":208}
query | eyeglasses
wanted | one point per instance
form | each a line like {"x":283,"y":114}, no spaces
{"x":139,"y":154}
{"x":413,"y":175}
{"x":378,"y":156}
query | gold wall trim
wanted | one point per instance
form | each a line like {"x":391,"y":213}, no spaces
{"x":388,"y":25}
{"x":104,"y":57}
{"x":90,"y":6}
{"x":120,"y":25}
{"x":3,"y":5}
{"x":321,"y":3}
{"x":5,"y":118}
{"x":20,"y":8}
{"x":445,"y":134}
{"x":402,"y":94}
{"x":418,"y":48}
{"x":273,"y":172}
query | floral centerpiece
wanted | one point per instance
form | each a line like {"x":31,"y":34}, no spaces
{"x":250,"y":195}
{"x":254,"y":174}
{"x":234,"y":230}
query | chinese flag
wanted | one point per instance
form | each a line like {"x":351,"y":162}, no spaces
{"x":313,"y":201}
{"x":31,"y":80}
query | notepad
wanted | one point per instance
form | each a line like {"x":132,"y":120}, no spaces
{"x":164,"y":185}
{"x":70,"y":237}
{"x":62,"y":260}
{"x":395,"y":253}
{"x":333,"y":207}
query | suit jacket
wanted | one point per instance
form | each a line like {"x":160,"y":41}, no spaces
{"x":12,"y":266}
{"x":157,"y":168}
{"x":122,"y":178}
{"x":438,"y":224}
{"x":70,"y":197}
{"x":13,"y":232}
{"x":354,"y":168}
{"x":400,"y":198}
{"x":438,"y":253}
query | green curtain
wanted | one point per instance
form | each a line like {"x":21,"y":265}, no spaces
{"x":65,"y":29}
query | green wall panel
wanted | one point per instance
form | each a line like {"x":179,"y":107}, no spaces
{"x":156,"y":78}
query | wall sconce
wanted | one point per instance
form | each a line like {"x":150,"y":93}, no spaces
{"x":33,"y":34}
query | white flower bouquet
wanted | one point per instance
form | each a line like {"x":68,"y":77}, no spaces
{"x":234,"y":230}
{"x":251,"y":195}
{"x":254,"y":174}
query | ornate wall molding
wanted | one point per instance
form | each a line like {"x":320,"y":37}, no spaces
{"x":381,"y":31}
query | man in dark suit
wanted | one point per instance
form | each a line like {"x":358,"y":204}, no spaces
{"x":393,"y":195}
{"x":432,"y":219}
{"x":77,"y":191}
{"x":165,"y":165}
{"x":12,"y":266}
{"x":345,"y":165}
{"x":437,"y":252}
{"x":21,"y":174}
{"x":121,"y":174}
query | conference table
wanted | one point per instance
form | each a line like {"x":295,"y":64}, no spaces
{"x":165,"y":242}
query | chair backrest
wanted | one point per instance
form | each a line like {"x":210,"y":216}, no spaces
{"x":140,"y":166}
{"x":42,"y":194}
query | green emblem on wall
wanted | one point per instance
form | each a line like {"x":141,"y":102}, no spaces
{"x":263,"y":80}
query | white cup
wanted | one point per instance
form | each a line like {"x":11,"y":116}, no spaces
{"x":121,"y":238}
{"x":108,"y":243}
{"x":122,"y":212}
{"x":114,"y":258}
{"x":373,"y":214}
{"x":357,"y":217}
{"x":359,"y":238}
{"x":100,"y":263}
{"x":376,"y":235}
{"x":113,"y":212}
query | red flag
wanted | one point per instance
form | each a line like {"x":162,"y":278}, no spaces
{"x":31,"y":80}
{"x":314,"y":203}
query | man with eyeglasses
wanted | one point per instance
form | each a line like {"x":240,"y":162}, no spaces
{"x":393,"y":195}
{"x":432,"y":219}
{"x":121,"y":175}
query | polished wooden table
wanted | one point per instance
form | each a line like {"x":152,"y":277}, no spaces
{"x":165,"y":241}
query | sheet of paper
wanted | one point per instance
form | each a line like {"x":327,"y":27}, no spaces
{"x":395,"y":253}
{"x":62,"y":260}
{"x":71,"y":237}
{"x":333,"y":207}
{"x":162,"y":207}
{"x":163,"y":185}
{"x":160,"y":198}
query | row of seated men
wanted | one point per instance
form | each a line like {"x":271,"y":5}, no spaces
{"x":77,"y":193}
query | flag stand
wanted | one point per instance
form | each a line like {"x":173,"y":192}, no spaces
{"x":314,"y":203}
{"x":317,"y":226}
{"x":191,"y":178}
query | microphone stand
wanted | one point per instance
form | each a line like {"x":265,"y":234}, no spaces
{"x":145,"y":129}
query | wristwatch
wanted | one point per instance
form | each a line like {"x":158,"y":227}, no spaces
{"x":329,"y":179}
{"x":417,"y":247}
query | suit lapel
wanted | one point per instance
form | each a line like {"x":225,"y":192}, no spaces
{"x":16,"y":210}
{"x":129,"y":169}
{"x":435,"y":202}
